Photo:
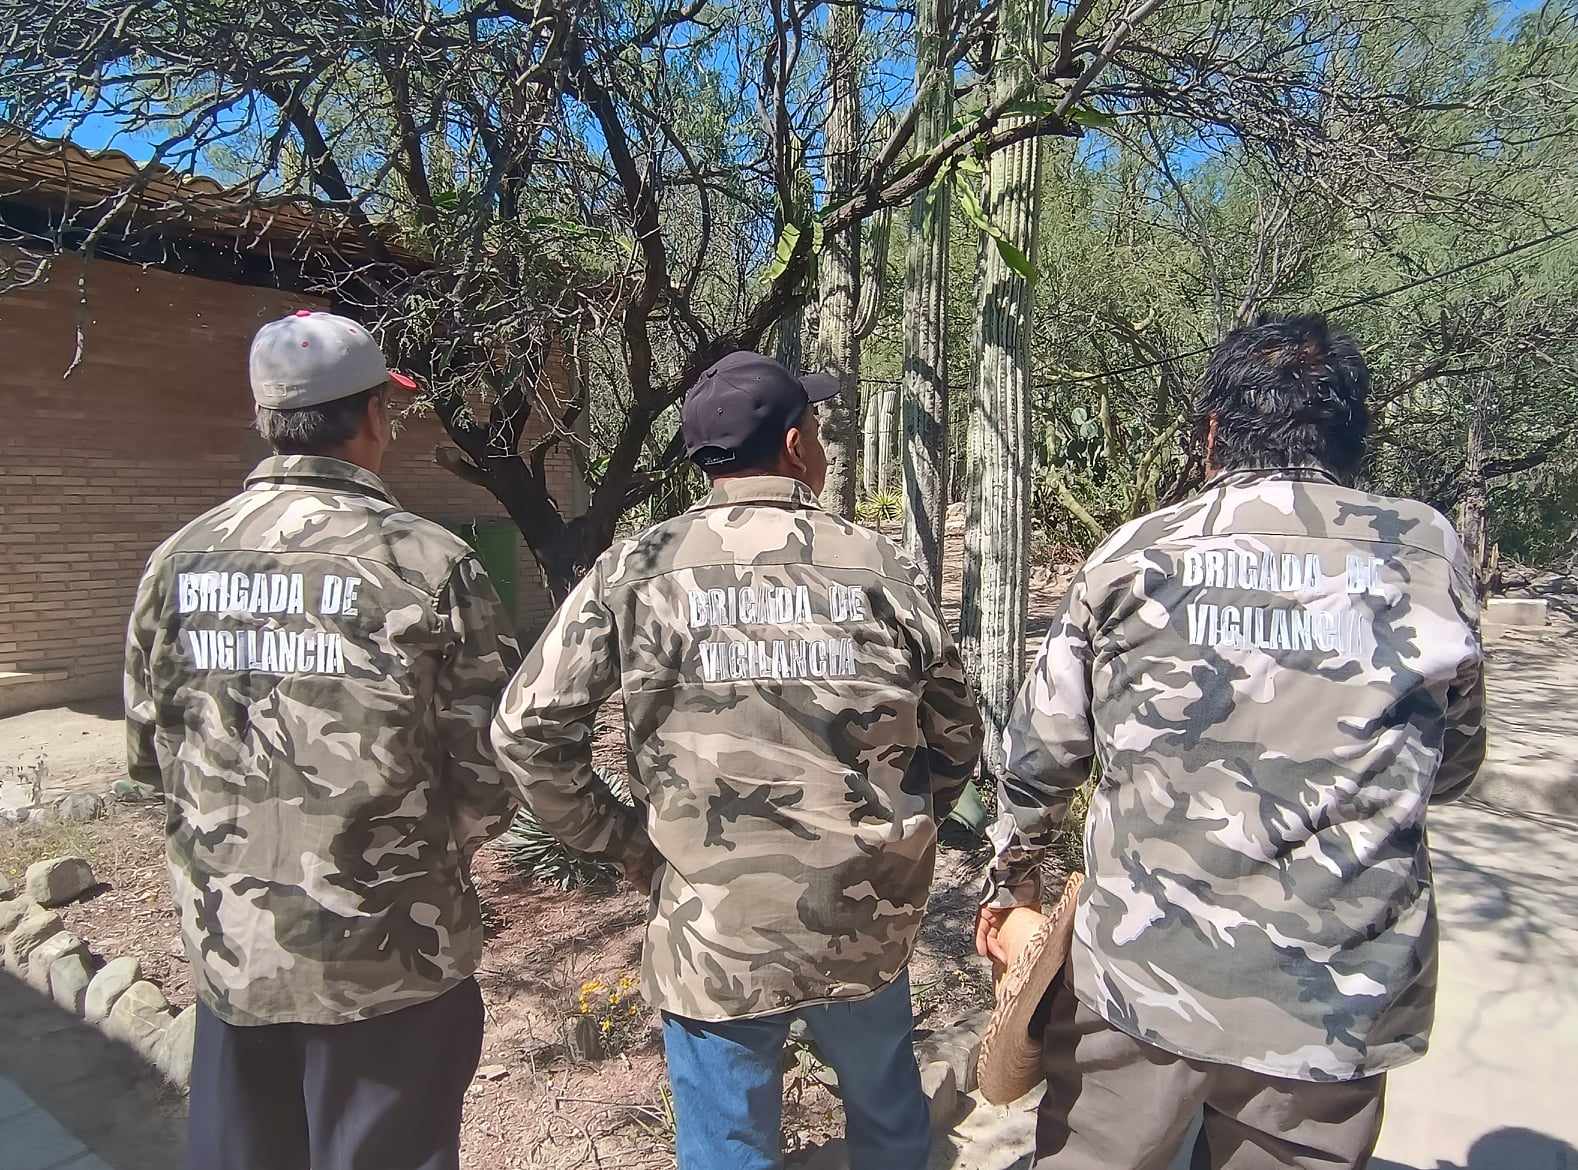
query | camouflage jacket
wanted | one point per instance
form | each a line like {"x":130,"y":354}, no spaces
{"x":310,"y":672}
{"x":1275,"y":678}
{"x":796,"y":719}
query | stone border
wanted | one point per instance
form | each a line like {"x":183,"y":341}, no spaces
{"x":110,"y":995}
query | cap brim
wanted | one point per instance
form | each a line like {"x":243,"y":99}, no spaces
{"x":396,"y":378}
{"x":820,"y":387}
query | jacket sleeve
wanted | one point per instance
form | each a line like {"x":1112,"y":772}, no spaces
{"x":950,"y":723}
{"x":1048,"y":746}
{"x":481,"y":655}
{"x":1463,"y":745}
{"x":142,"y":761}
{"x":544,"y":729}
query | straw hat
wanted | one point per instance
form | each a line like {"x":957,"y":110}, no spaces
{"x":1010,"y":1061}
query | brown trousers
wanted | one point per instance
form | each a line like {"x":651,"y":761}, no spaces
{"x":1116,"y":1103}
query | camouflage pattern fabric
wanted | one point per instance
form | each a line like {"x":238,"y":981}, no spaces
{"x":310,"y":673}
{"x":1276,"y":678}
{"x":796,"y":720}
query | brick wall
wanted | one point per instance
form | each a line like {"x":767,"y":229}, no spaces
{"x":151,"y":429}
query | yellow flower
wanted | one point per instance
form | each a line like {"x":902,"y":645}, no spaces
{"x":608,"y":1026}
{"x":632,"y":1009}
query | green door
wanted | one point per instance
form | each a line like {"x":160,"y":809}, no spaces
{"x":496,"y":543}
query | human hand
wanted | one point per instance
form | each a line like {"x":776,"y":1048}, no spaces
{"x":988,"y":923}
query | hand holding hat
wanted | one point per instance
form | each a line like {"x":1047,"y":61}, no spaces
{"x":1031,"y":947}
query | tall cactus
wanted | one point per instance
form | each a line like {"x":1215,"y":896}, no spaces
{"x":925,"y":376}
{"x":837,"y":336}
{"x":881,"y":401}
{"x":788,"y":346}
{"x":997,"y":545}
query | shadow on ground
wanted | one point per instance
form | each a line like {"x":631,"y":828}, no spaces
{"x":1502,"y":1149}
{"x":107,"y":1100}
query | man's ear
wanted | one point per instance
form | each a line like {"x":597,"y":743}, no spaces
{"x":1210,"y":442}
{"x":794,"y":449}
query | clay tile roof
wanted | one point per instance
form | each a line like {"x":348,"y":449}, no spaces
{"x":57,"y":176}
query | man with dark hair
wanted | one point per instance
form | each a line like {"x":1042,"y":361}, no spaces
{"x":310,"y":672}
{"x":1276,"y":678}
{"x":797,"y":722}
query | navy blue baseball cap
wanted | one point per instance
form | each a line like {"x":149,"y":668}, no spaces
{"x":743,"y":405}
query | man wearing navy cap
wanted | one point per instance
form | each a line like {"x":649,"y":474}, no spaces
{"x":797,"y":722}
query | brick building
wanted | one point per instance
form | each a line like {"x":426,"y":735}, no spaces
{"x":152,"y":427}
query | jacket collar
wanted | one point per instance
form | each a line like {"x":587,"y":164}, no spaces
{"x":772,"y":490}
{"x":1242,"y":476}
{"x":319,"y":471}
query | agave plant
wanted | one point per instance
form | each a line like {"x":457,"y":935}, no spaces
{"x":531,"y":849}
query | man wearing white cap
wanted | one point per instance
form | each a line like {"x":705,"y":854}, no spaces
{"x":310,"y":674}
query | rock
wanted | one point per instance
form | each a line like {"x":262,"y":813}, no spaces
{"x":139,"y":1017}
{"x":27,"y":936}
{"x":56,"y":946}
{"x":172,"y":1052}
{"x":12,"y":911}
{"x":108,"y":986}
{"x":57,"y":880}
{"x":7,"y":890}
{"x":129,"y":791}
{"x":79,"y":807}
{"x":1516,"y":613}
{"x":959,"y":1046}
{"x":492,"y":1072}
{"x":22,"y":785}
{"x":177,"y":947}
{"x":942,"y":1093}
{"x":69,"y":977}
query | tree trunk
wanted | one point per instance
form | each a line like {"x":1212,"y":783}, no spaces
{"x":925,"y":372}
{"x":998,"y":537}
{"x":1474,"y":505}
{"x":837,"y":335}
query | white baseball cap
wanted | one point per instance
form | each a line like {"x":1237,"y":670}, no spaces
{"x":312,"y":357}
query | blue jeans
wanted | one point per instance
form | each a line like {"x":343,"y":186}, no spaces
{"x":728,"y":1083}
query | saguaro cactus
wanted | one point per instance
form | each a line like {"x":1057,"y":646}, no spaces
{"x":997,"y":546}
{"x":837,"y":336}
{"x":925,"y":373}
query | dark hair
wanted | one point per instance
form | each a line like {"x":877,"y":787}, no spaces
{"x":314,"y":430}
{"x":1286,"y":392}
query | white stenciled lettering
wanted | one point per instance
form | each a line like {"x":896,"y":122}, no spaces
{"x":333,"y":594}
{"x":1301,"y":632}
{"x":1193,"y":569}
{"x":1198,"y":614}
{"x":1232,"y":625}
{"x":1312,"y":572}
{"x":1215,"y":570}
{"x":700,"y":611}
{"x":1325,"y":626}
{"x":1270,"y":579}
{"x":198,"y":647}
{"x":186,"y":591}
{"x":1279,"y":630}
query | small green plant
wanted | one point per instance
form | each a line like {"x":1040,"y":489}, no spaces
{"x":532,"y":849}
{"x":881,"y":508}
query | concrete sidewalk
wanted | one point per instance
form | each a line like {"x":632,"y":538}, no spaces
{"x":72,"y":1099}
{"x":1494,"y":1092}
